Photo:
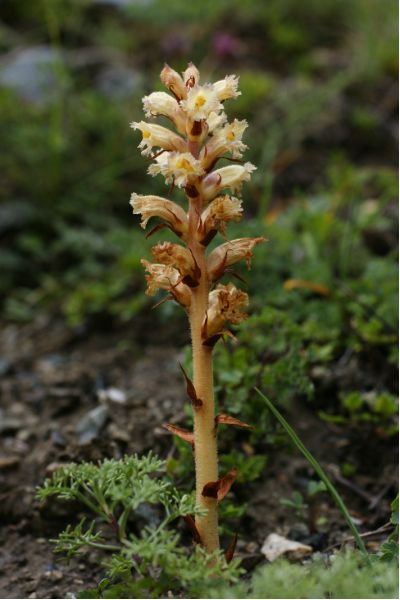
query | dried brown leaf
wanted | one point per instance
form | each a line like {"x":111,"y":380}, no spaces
{"x":184,"y":434}
{"x":190,"y":522}
{"x":191,"y":391}
{"x":219,"y":489}
{"x":228,"y":420}
{"x":229,"y":554}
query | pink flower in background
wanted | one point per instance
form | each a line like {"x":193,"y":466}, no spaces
{"x":226,"y":45}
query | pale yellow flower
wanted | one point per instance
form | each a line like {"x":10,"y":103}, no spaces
{"x":168,"y":211}
{"x":227,"y":88}
{"x":230,"y":253}
{"x":178,"y":257}
{"x":167,"y":278}
{"x":178,"y":168}
{"x":156,"y":136}
{"x":231,"y":177}
{"x":225,"y":303}
{"x":162,"y":104}
{"x":191,"y":76}
{"x":225,"y":139}
{"x":217,"y":214}
{"x":174,"y":82}
{"x":200,"y":102}
{"x":215,"y":120}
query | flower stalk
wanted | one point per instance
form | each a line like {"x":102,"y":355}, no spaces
{"x":187,"y":271}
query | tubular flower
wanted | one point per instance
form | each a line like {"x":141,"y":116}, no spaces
{"x":174,"y":82}
{"x":191,"y":76}
{"x":165,"y":277}
{"x":230,"y":253}
{"x":231,"y":177}
{"x":160,"y":103}
{"x":225,"y":303}
{"x":215,"y":120}
{"x":217,"y":214}
{"x":178,"y":168}
{"x":158,"y":136}
{"x":200,"y":102}
{"x":178,"y":257}
{"x":226,"y":139}
{"x":155,"y":206}
{"x":227,"y":88}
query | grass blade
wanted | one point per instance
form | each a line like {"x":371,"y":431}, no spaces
{"x":319,"y":470}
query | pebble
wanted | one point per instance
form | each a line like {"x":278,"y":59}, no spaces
{"x":113,"y":395}
{"x":91,"y":424}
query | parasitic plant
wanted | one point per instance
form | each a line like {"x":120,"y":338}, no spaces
{"x":188,"y":158}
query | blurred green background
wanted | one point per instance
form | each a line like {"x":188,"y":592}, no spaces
{"x":318,"y":89}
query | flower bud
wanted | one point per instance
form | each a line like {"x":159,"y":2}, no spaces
{"x":174,"y":82}
{"x":158,"y":136}
{"x":155,"y":206}
{"x":180,"y":258}
{"x":227,"y":88}
{"x":217,"y":214}
{"x":166,"y":278}
{"x":230,"y":253}
{"x":225,"y":303}
{"x":227,"y":177}
{"x":191,"y":76}
{"x":180,"y":169}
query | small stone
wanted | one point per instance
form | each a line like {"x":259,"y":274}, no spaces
{"x":276,"y":545}
{"x":113,"y":395}
{"x":91,"y":424}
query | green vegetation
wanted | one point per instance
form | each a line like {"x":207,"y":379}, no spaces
{"x":139,"y":538}
{"x":146,"y":559}
{"x":317,"y":81}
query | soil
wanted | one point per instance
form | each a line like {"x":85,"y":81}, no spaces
{"x":53,"y":377}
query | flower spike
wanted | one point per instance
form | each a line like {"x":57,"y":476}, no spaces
{"x":186,"y":158}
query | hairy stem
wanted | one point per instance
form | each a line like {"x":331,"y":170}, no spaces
{"x":206,"y":455}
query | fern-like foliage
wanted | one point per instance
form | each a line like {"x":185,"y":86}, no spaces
{"x":149,"y":563}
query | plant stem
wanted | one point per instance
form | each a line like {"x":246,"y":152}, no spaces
{"x":206,"y":454}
